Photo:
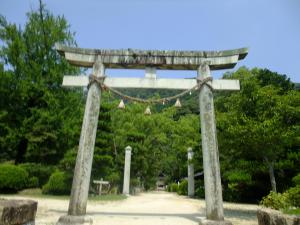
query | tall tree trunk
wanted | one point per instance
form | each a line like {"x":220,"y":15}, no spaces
{"x":271,"y":174}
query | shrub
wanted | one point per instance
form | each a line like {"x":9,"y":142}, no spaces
{"x":12,"y":178}
{"x":59,"y":183}
{"x":296,"y":179}
{"x":200,"y":192}
{"x":41,"y":172}
{"x":33,"y":182}
{"x":168,"y":188}
{"x":173,"y":187}
{"x":232,"y":192}
{"x":183,"y":188}
{"x":276,"y":200}
{"x":293,"y":195}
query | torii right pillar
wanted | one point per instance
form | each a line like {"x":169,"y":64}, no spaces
{"x":211,"y":164}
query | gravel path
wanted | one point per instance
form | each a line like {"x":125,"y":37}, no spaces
{"x":159,"y":208}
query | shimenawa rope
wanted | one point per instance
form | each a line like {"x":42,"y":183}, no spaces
{"x":100,"y":81}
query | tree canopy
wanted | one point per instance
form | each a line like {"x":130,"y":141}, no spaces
{"x":39,"y":119}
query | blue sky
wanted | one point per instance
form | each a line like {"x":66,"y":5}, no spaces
{"x":270,"y":28}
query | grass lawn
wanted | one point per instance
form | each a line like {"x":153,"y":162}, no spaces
{"x":37,"y":193}
{"x":292,"y":211}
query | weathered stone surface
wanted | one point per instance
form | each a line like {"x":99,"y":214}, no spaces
{"x":84,"y":160}
{"x":75,"y":220}
{"x":139,"y":59}
{"x":15,"y":212}
{"x":267,"y":216}
{"x":214,"y":222}
{"x":211,"y":165}
{"x":161,"y":83}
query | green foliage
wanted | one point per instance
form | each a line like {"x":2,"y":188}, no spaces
{"x":296,"y":179}
{"x":158,"y":136}
{"x":294,"y":196}
{"x":39,"y":171}
{"x":199,"y":189}
{"x":12,"y":178}
{"x":183,"y":188}
{"x":39,"y":120}
{"x":259,"y":126}
{"x":104,"y":161}
{"x":292,"y":211}
{"x":238,"y":176}
{"x":236,"y":182}
{"x":33,"y":182}
{"x":173,"y":187}
{"x":284,"y":201}
{"x":59,"y":184}
{"x":275,"y":201}
{"x":267,"y":77}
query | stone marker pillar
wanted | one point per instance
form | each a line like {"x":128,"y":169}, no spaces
{"x":126,"y":181}
{"x":211,"y":165}
{"x":82,"y":172}
{"x":191,"y":182}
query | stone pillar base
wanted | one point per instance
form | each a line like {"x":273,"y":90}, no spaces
{"x":214,"y":222}
{"x":74,"y":220}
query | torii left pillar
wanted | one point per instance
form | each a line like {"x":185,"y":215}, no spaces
{"x":210,"y":153}
{"x":82,"y":173}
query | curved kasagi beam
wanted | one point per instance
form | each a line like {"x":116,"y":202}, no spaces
{"x":139,"y":59}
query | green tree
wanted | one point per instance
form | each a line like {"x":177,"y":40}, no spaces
{"x":254,"y":125}
{"x":38,"y":118}
{"x":159,"y":141}
{"x":104,"y":161}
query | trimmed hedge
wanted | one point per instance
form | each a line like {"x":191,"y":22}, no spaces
{"x":12,"y":178}
{"x":59,"y":184}
{"x":41,"y":172}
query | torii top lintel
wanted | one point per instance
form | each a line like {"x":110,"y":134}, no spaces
{"x":139,"y":59}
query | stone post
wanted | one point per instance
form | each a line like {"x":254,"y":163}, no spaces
{"x":82,"y":172}
{"x":191,"y":182}
{"x":126,"y":181}
{"x":211,"y":165}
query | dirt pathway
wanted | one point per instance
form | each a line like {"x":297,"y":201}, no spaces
{"x":159,"y":208}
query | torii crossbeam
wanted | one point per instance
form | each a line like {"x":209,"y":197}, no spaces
{"x":202,"y":61}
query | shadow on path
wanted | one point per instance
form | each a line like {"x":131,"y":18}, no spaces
{"x":193,"y":217}
{"x":229,"y":213}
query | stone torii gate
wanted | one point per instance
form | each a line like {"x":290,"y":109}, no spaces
{"x":202,"y":61}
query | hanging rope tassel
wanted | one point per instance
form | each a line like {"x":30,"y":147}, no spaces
{"x":121,"y":104}
{"x":147,"y":111}
{"x":177,"y":103}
